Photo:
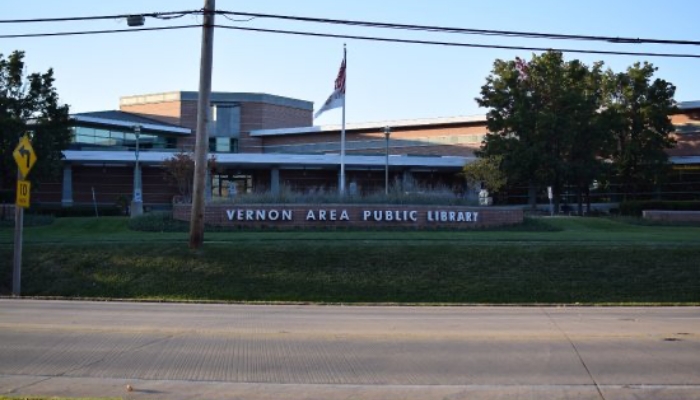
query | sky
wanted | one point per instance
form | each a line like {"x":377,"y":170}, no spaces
{"x":385,"y":81}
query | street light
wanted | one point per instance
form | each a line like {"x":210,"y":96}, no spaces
{"x":387,"y":132}
{"x":137,"y":201}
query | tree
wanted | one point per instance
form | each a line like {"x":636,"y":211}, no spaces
{"x":487,"y":172}
{"x":540,"y":113}
{"x":179,"y":171}
{"x":587,"y":131}
{"x":30,"y":104}
{"x":638,"y":110}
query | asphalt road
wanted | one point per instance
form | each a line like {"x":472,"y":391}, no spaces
{"x":215,"y":351}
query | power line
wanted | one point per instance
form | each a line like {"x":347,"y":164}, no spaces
{"x":178,"y":14}
{"x":357,"y":37}
{"x":436,"y":29}
{"x":158,"y":15}
{"x":74,"y":33}
{"x":238,"y":20}
{"x":442,"y":29}
{"x":456,"y":44}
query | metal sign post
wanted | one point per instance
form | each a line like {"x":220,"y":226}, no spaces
{"x":17,"y":260}
{"x":25,"y":158}
{"x":551,"y":196}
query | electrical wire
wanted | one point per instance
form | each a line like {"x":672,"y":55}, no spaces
{"x":357,"y":37}
{"x":169,"y":17}
{"x":456,"y":44}
{"x":442,"y":29}
{"x":237,"y":20}
{"x":435,"y":29}
{"x":158,"y":15}
{"x":227,"y":14}
{"x":74,"y":33}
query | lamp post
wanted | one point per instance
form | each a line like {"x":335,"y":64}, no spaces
{"x":387,"y":132}
{"x":137,"y":201}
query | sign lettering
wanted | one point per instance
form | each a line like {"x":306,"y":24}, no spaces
{"x":23,"y":191}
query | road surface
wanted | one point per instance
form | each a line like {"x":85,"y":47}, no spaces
{"x":217,"y":351}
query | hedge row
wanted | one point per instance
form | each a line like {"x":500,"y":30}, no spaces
{"x":635,"y":208}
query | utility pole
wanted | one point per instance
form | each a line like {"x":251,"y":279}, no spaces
{"x":202,"y":140}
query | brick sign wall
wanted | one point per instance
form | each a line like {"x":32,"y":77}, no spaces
{"x":672,"y":216}
{"x":352,"y":215}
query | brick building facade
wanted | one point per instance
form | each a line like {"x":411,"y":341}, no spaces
{"x":264,"y":142}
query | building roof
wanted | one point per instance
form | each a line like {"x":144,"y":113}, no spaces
{"x":689,"y":105}
{"x":273,"y":159}
{"x":379,"y":126}
{"x":124,"y":119}
{"x":217,"y":97}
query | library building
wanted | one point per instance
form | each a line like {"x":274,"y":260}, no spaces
{"x":267,"y":143}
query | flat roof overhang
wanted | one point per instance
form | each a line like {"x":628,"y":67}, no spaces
{"x":154,"y":127}
{"x":243,"y":160}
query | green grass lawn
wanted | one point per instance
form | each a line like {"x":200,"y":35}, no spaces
{"x":575,"y":260}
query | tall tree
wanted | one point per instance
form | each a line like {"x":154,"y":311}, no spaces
{"x":587,"y":131}
{"x":638,"y":110}
{"x":538,"y":112}
{"x":30,"y":103}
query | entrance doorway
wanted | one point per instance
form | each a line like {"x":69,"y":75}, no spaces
{"x":231,"y":185}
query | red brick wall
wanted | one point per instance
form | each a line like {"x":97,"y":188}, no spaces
{"x":485,"y":216}
{"x":188,"y":114}
{"x":687,"y":144}
{"x":46,"y":192}
{"x":268,"y":116}
{"x":110,"y":184}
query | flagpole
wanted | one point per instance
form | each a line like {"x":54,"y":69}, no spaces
{"x":342,"y":130}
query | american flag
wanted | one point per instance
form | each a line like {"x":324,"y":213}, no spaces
{"x":337,"y":98}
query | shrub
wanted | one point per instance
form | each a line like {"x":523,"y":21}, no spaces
{"x":30,"y":220}
{"x":398,"y":194}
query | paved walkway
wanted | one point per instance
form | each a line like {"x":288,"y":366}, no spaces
{"x":196,"y":351}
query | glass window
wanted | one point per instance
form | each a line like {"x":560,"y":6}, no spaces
{"x":117,"y":138}
{"x":104,"y":141}
{"x":220,"y":144}
{"x":125,"y":139}
{"x":223,"y":145}
{"x":83,"y":138}
{"x":101,"y":133}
